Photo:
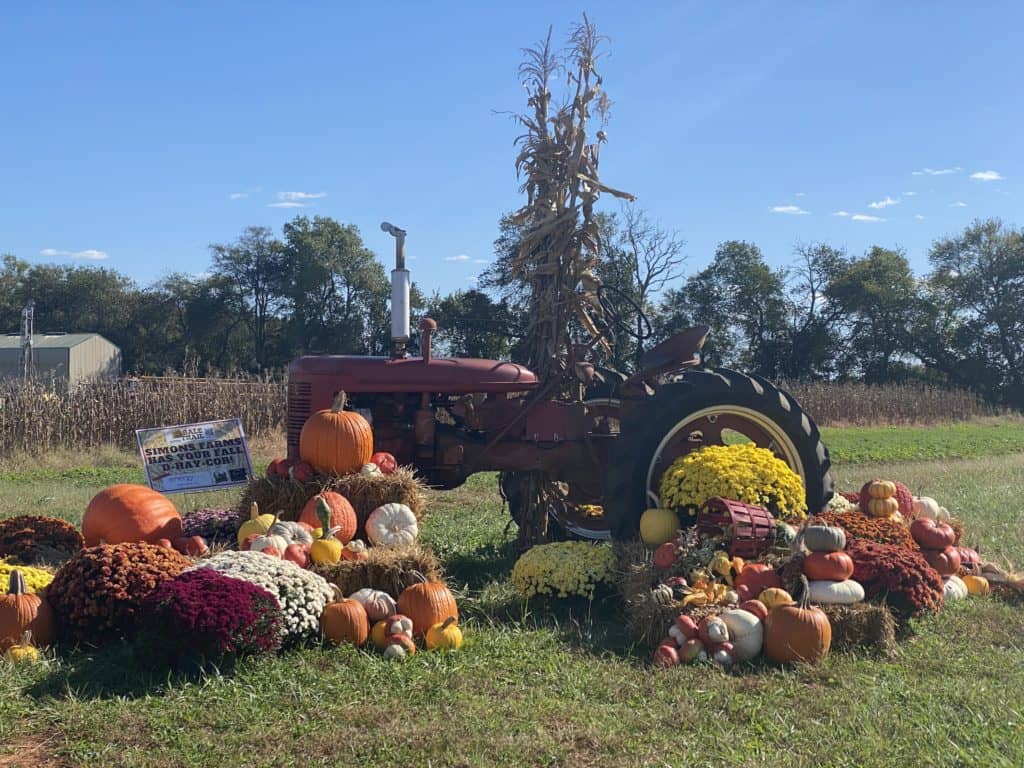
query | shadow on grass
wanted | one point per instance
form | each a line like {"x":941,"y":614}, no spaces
{"x":121,"y":671}
{"x":481,"y":566}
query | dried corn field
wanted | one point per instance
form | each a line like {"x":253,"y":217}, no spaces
{"x":858,"y":404}
{"x":37,"y":416}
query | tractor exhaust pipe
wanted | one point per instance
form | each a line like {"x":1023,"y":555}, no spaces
{"x":399,"y":293}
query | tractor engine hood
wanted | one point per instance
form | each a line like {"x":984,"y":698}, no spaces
{"x":460,"y":375}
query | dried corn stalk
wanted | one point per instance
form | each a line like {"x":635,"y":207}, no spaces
{"x":561,"y":242}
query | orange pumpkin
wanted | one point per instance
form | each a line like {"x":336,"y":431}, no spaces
{"x":344,"y":620}
{"x":795,"y":633}
{"x":427,"y":603}
{"x":21,"y":611}
{"x":130,"y":513}
{"x":343,"y":516}
{"x":828,"y":566}
{"x":335,"y":440}
{"x":755,"y":578}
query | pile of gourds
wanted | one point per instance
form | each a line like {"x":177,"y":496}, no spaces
{"x":424,"y":611}
{"x":828,"y":568}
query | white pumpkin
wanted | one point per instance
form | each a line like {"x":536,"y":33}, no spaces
{"x":378,"y":604}
{"x":746,"y":633}
{"x":392,"y":525}
{"x":268,"y":540}
{"x":954,"y":588}
{"x":926,"y":506}
{"x":835,"y":592}
{"x":293,"y":532}
{"x":370,"y":470}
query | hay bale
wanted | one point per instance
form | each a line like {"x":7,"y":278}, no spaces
{"x":390,"y":569}
{"x":364,"y":492}
{"x":863,"y":625}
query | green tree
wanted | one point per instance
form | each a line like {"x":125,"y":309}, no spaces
{"x":337,"y":291}
{"x":741,"y":299}
{"x":811,"y":340}
{"x":472,"y":324}
{"x":254,"y":266}
{"x":875,"y":298}
{"x":972,"y":324}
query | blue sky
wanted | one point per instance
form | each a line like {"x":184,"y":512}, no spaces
{"x":135,"y":135}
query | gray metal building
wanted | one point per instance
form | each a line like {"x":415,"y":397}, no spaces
{"x":69,"y":356}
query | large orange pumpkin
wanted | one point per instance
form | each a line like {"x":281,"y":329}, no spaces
{"x":343,"y":516}
{"x":130,"y":513}
{"x":21,"y":611}
{"x":795,"y":633}
{"x":335,"y":440}
{"x":427,"y":603}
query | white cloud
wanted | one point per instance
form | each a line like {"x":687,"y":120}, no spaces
{"x":937,"y":171}
{"x":90,"y":254}
{"x":844,"y":214}
{"x":800,"y":194}
{"x":238,"y":195}
{"x":958,"y":204}
{"x":865,"y":217}
{"x":919,"y":217}
{"x":795,"y":210}
{"x":879,"y":204}
{"x":987,"y":176}
{"x":909,"y":194}
{"x":300,"y":195}
{"x":460,"y":257}
{"x":288,"y":204}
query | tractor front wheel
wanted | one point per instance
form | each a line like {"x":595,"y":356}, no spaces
{"x":708,"y":407}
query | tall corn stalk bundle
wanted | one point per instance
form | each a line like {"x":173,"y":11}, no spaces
{"x":561,"y":243}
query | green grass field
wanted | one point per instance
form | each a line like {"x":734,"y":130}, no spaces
{"x":540,"y":684}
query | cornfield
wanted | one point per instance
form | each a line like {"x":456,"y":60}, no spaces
{"x":37,"y":416}
{"x":855,"y":403}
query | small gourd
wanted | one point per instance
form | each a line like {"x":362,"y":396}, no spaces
{"x":954,"y":589}
{"x":926,"y":506}
{"x":746,"y":633}
{"x":24,"y":651}
{"x":976,"y":585}
{"x":824,"y":538}
{"x":256,"y":523}
{"x":398,"y":647}
{"x":293,"y":532}
{"x":883,"y":507}
{"x":369,"y":469}
{"x":775,"y":597}
{"x":269,"y":541}
{"x":396,"y":624}
{"x":378,"y":603}
{"x":326,"y":550}
{"x":446,"y":635}
{"x":663,"y":595}
{"x":355,"y":550}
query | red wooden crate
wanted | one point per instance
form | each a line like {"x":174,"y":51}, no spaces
{"x":751,"y":529}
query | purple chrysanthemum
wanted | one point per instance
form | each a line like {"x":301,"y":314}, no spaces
{"x":205,"y":612}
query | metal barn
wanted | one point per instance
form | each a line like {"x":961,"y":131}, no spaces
{"x":72,"y":357}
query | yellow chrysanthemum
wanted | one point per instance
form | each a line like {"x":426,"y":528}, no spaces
{"x":562,"y":569}
{"x":36,"y":579}
{"x":741,"y":472}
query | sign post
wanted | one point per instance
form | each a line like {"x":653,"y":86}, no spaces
{"x":208,"y":456}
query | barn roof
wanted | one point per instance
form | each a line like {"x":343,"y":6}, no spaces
{"x":49,"y":340}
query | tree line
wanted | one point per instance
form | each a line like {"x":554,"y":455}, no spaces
{"x":826,"y":315}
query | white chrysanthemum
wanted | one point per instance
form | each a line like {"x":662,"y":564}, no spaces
{"x":301,"y":593}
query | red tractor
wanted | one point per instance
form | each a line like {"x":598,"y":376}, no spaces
{"x":453,"y":417}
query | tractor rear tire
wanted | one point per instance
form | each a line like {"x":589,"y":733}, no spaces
{"x":647,"y":424}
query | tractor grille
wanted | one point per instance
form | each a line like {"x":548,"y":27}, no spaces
{"x":299,"y":393}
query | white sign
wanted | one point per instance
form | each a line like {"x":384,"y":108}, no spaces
{"x":195,"y":457}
